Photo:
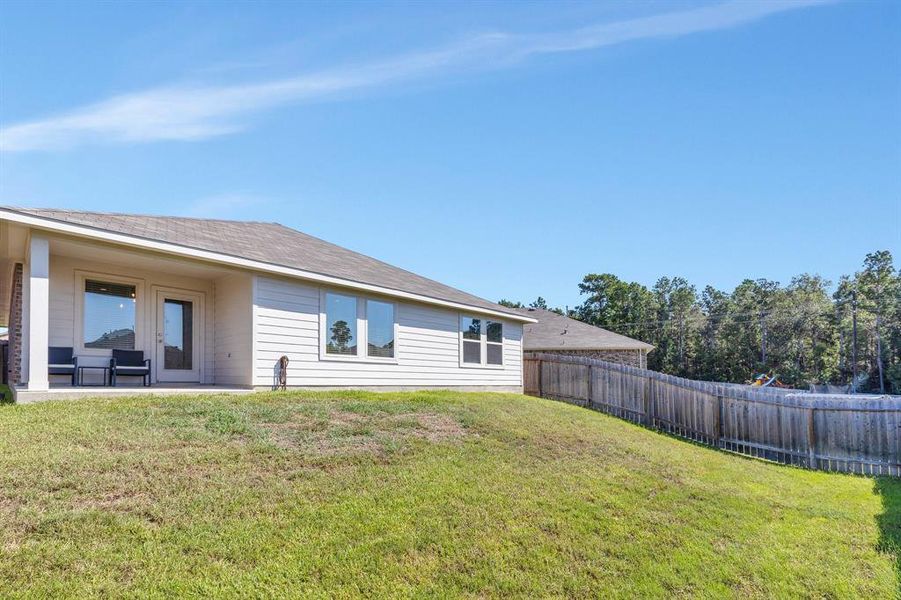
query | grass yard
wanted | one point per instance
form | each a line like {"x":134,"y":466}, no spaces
{"x":426,"y":494}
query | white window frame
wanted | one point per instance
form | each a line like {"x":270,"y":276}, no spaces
{"x":483,"y":341}
{"x":80,"y":278}
{"x":362,"y":355}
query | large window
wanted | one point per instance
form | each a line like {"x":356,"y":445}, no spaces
{"x":482,"y":342}
{"x":380,"y":329}
{"x":341,"y":325}
{"x":109,"y":315}
{"x":357,"y":328}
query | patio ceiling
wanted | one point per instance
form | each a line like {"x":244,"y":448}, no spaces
{"x":113,"y":254}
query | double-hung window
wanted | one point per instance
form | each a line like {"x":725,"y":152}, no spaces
{"x":357,"y":328}
{"x":482,"y":342}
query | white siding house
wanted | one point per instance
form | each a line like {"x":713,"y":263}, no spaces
{"x":219,"y":303}
{"x":288,"y":318}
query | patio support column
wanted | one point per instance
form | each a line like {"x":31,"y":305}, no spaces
{"x":38,"y":329}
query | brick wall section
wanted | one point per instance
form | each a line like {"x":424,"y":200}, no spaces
{"x":14,"y":369}
{"x":633,"y":358}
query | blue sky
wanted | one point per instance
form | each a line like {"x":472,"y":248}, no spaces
{"x":507,"y":149}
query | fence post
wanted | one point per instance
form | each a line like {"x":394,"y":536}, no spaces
{"x":648,"y":403}
{"x":590,"y":384}
{"x":718,"y":420}
{"x":540,"y":390}
{"x":811,"y":439}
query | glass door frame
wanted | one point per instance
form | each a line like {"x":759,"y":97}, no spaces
{"x":195,"y":374}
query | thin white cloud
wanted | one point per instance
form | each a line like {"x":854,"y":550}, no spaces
{"x":193,"y":113}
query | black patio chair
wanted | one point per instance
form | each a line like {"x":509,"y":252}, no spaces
{"x":61,"y":361}
{"x":130,"y":363}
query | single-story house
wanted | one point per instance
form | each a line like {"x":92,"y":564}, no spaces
{"x":558,"y":334}
{"x":219,"y":303}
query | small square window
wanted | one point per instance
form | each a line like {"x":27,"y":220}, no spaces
{"x":482,"y":341}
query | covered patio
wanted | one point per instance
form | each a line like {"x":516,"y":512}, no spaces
{"x":184,"y":323}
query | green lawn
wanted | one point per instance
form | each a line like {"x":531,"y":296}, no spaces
{"x":425,"y":494}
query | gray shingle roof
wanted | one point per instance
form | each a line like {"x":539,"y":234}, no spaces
{"x":270,"y":243}
{"x":556,"y":332}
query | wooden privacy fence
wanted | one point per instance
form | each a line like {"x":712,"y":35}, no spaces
{"x":855,"y":434}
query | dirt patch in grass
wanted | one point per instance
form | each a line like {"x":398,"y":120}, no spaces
{"x":346,"y":432}
{"x":436,"y":427}
{"x":8,"y":505}
{"x":13,"y":532}
{"x":123,"y":501}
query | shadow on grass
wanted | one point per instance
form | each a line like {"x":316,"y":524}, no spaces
{"x":890,"y":520}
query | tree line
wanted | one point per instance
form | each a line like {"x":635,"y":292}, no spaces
{"x":807,"y":331}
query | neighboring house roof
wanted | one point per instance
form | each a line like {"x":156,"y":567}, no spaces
{"x":269,"y":243}
{"x":556,"y":332}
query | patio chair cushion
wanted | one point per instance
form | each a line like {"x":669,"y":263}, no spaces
{"x":127,"y":370}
